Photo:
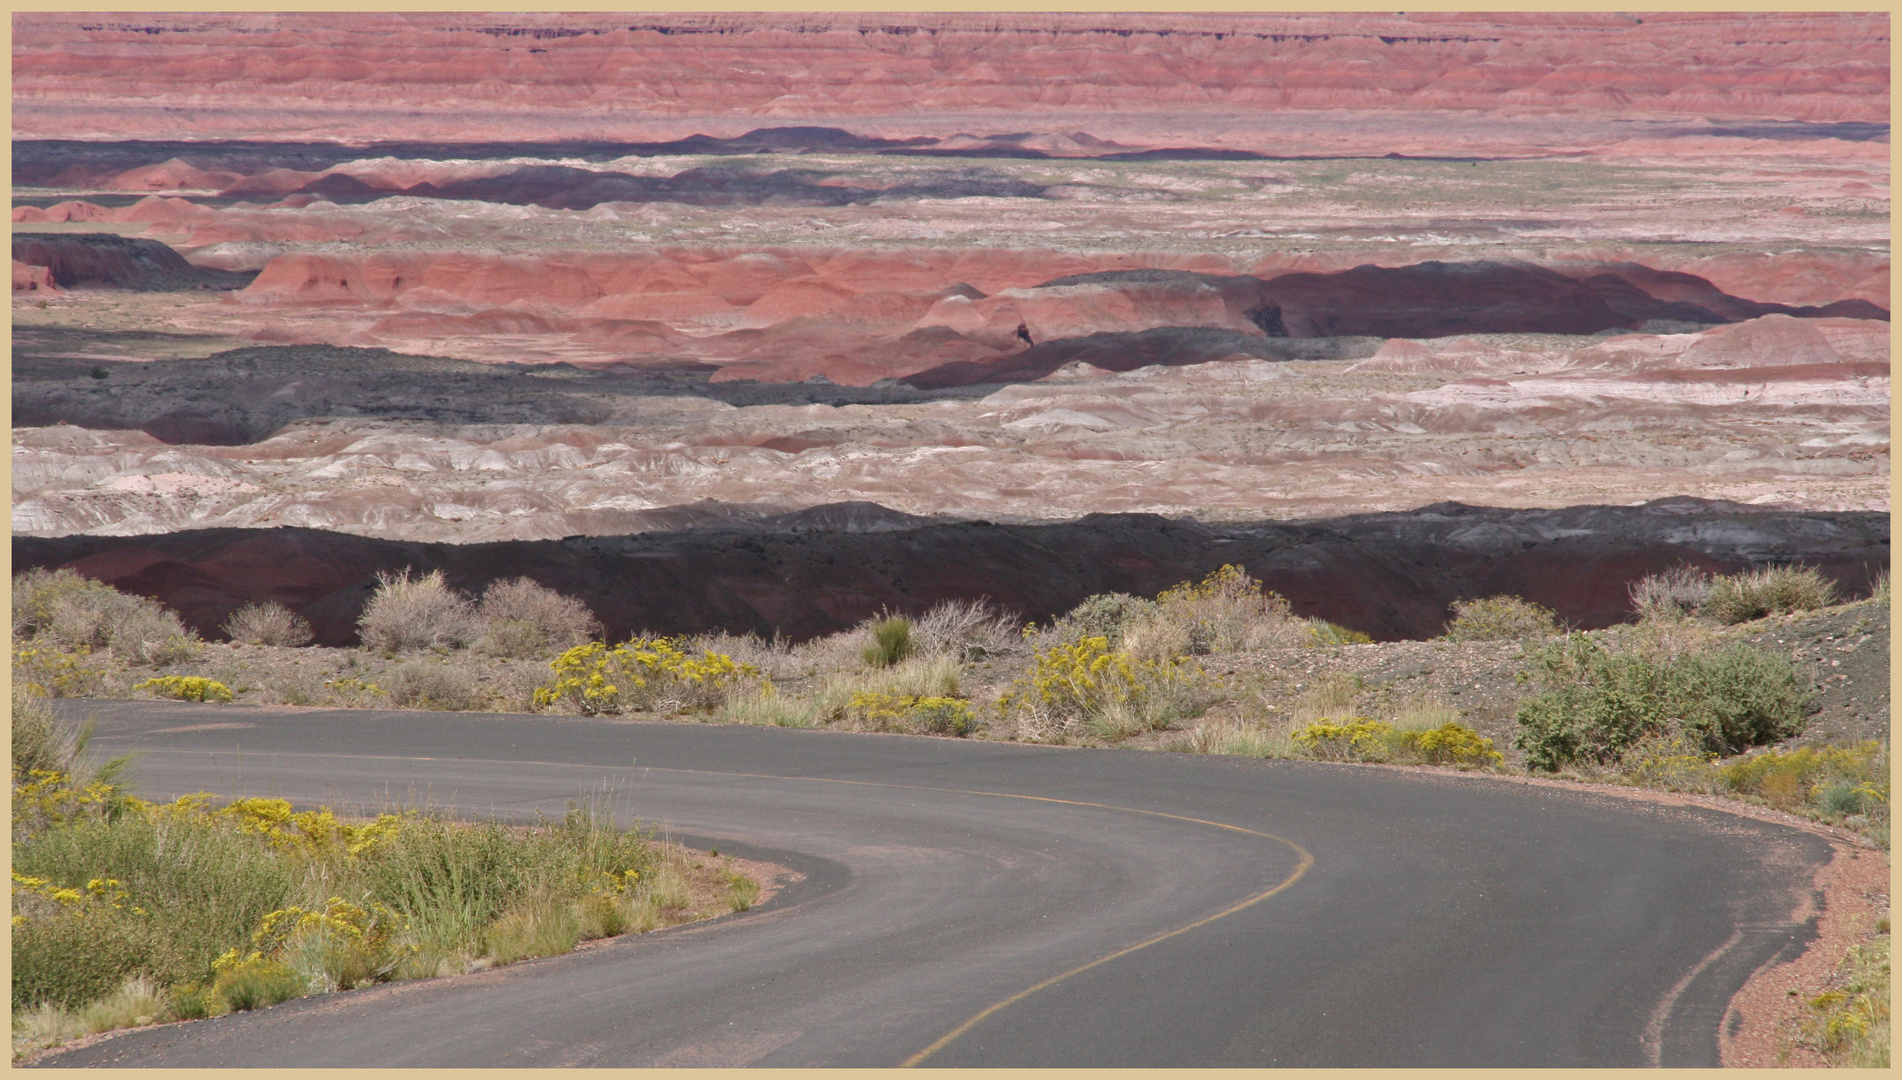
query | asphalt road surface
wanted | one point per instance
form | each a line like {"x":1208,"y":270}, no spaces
{"x":985,"y":904}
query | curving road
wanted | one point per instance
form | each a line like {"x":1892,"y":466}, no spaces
{"x":1161,"y":909}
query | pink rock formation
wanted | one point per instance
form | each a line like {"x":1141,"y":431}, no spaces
{"x":474,"y":76}
{"x":27,"y":278}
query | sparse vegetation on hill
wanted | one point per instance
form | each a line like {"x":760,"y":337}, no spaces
{"x":1217,"y":665}
{"x":1500,"y":618}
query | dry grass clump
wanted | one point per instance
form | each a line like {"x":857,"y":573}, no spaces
{"x":269,"y":623}
{"x":775,"y":658}
{"x":966,"y":629}
{"x":1501,"y":618}
{"x":1675,"y":594}
{"x":432,"y":684}
{"x":920,"y":695}
{"x":520,"y":618}
{"x":1776,"y":590}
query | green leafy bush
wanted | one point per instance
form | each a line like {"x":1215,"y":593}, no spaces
{"x":1596,"y":704}
{"x":891,"y":642}
{"x":1776,"y":590}
{"x":1500,"y":618}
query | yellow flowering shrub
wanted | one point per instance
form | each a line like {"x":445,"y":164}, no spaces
{"x":354,"y":692}
{"x":186,"y":688}
{"x":48,"y":797}
{"x":1451,"y":744}
{"x":640,"y":674}
{"x":895,"y":712}
{"x":1354,"y":739}
{"x":312,"y":832}
{"x":1361,"y":739}
{"x":1086,"y":683}
{"x":57,"y":672}
{"x":1228,"y":611}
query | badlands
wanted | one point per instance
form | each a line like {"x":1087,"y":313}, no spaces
{"x":766,"y":322}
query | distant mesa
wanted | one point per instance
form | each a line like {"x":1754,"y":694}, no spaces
{"x":106,"y":259}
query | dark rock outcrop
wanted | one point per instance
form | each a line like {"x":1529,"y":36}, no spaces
{"x":1390,"y":575}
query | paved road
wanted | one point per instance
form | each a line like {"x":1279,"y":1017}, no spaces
{"x":1334,"y":915}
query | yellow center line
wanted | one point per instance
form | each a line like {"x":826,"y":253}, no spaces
{"x":1301,"y":868}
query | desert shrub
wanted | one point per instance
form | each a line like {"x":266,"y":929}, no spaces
{"x":430,"y":684}
{"x":1158,"y":641}
{"x":269,"y":623}
{"x":1354,"y":739}
{"x":1500,"y":618}
{"x":39,"y":742}
{"x":338,"y":945}
{"x":161,"y":895}
{"x":1596,"y":704}
{"x":195,"y":909}
{"x":255,"y":982}
{"x":62,"y":612}
{"x":1775,"y":590}
{"x":1084,"y":683}
{"x":774,"y":657}
{"x":56,"y":672}
{"x":186,"y":688}
{"x":1449,"y":744}
{"x":1227,"y":611}
{"x":644,"y":673}
{"x":451,"y":881}
{"x":768,"y":706}
{"x":925,"y":715}
{"x":1675,"y":594}
{"x":520,"y":618}
{"x":891,"y":642}
{"x":1104,"y":615}
{"x":1361,"y":739}
{"x":407,"y":614}
{"x":966,"y":629}
{"x":1322,"y":632}
{"x":540,"y":924}
{"x":1839,"y":780}
{"x":1850,"y":1023}
{"x":138,"y":1001}
{"x":1330,"y":695}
